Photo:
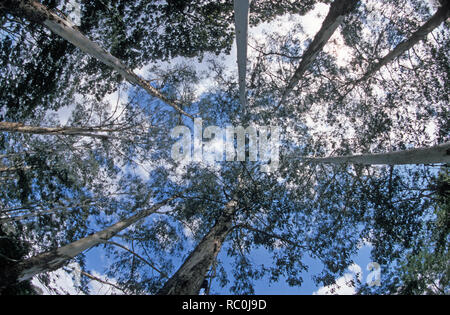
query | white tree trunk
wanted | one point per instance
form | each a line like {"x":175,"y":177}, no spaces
{"x":5,"y":169}
{"x":338,"y":10}
{"x":190,"y":276}
{"x":36,"y":12}
{"x":241,"y":8}
{"x":436,"y":154}
{"x":57,"y":258}
{"x":440,"y":16}
{"x":61,"y":131}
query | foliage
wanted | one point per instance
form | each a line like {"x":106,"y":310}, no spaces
{"x":57,"y":189}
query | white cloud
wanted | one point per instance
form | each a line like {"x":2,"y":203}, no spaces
{"x":64,"y":281}
{"x":98,"y":288}
{"x":345,"y":285}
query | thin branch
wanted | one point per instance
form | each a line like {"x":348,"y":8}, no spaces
{"x":101,"y":281}
{"x":283,"y":239}
{"x":162,"y":273}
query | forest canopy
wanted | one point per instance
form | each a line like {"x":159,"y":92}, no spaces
{"x":220,"y":147}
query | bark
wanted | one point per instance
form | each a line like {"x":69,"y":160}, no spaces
{"x":189,"y":278}
{"x":338,"y":10}
{"x":241,"y":8}
{"x":60,"y":131}
{"x":14,"y":169}
{"x":38,"y":13}
{"x":26,"y":216}
{"x":436,"y":154}
{"x":440,"y":16}
{"x":57,"y":258}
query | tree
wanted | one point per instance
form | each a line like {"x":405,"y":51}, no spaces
{"x":422,"y":267}
{"x":189,"y":279}
{"x":60,"y":189}
{"x":436,"y":154}
{"x":440,"y":16}
{"x":56,"y":259}
{"x":65,"y":131}
{"x":241,"y":24}
{"x":57,"y":67}
{"x":36,"y":12}
{"x":335,"y":17}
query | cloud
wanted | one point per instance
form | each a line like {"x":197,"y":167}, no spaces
{"x":98,"y":288}
{"x":345,"y":285}
{"x":64,"y":281}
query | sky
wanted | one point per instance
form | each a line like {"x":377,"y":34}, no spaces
{"x":342,"y":287}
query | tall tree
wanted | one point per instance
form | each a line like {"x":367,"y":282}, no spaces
{"x":36,"y":12}
{"x":437,"y":19}
{"x":436,"y":154}
{"x":338,"y":11}
{"x":241,"y":24}
{"x":55,"y":259}
{"x":61,"y":131}
{"x":189,"y":278}
{"x":321,"y":210}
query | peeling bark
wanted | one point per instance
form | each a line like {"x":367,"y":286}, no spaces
{"x":436,"y":154}
{"x":338,"y":10}
{"x":189,"y":278}
{"x":57,"y":258}
{"x":38,"y":13}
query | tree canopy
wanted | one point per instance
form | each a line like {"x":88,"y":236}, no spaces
{"x":357,"y":92}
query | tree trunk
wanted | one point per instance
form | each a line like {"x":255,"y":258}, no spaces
{"x":60,"y":131}
{"x":57,"y":258}
{"x":241,"y":8}
{"x":338,"y":10}
{"x":36,"y":12}
{"x":9,"y":218}
{"x":440,"y":16}
{"x":189,"y":278}
{"x":436,"y":154}
{"x":14,"y":169}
